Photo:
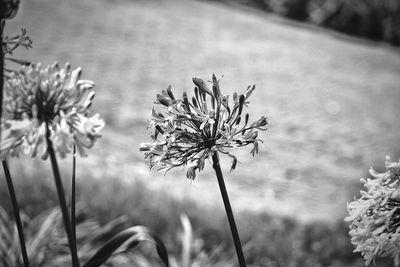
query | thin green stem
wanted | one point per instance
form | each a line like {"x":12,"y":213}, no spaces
{"x":5,"y":165}
{"x":73,"y":213}
{"x":16,"y":213}
{"x":228,"y":209}
{"x":61,"y":199}
{"x":1,"y":71}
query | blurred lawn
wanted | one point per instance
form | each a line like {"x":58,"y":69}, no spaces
{"x":332,"y":101}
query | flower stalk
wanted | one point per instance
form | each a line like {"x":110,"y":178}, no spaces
{"x":1,"y":71}
{"x":61,"y":198}
{"x":16,"y":213}
{"x":188,"y":131}
{"x":8,"y":10}
{"x":228,"y":209}
{"x":47,"y":113}
{"x":73,"y":193}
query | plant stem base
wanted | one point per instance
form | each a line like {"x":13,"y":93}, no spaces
{"x":228,"y":209}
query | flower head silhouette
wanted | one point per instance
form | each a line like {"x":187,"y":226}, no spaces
{"x":51,"y":98}
{"x":189,"y":130}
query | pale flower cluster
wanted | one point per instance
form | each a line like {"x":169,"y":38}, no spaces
{"x":375,"y":216}
{"x":48,"y":100}
{"x":187,"y":131}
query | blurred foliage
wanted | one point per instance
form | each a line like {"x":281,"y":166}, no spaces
{"x":108,"y":207}
{"x":372,"y":19}
{"x":47,"y":244}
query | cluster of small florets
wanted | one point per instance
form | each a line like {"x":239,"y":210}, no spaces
{"x":375,"y":216}
{"x":189,"y":131}
{"x":48,"y":100}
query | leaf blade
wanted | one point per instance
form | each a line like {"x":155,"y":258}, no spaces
{"x":131,"y":237}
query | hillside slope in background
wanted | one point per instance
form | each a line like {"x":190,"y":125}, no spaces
{"x":333,"y":102}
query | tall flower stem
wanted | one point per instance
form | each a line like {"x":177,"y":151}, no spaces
{"x":228,"y":209}
{"x":5,"y":165}
{"x":16,"y":213}
{"x":1,"y":70}
{"x":73,"y":213}
{"x":61,"y":199}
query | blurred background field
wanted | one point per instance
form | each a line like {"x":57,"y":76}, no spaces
{"x":371,"y":19}
{"x":333,"y":103}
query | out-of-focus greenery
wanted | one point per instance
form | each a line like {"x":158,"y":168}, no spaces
{"x":372,"y":19}
{"x":333,"y":103}
{"x":268,"y":240}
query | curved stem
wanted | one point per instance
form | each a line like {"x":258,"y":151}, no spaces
{"x":228,"y":209}
{"x":16,"y":213}
{"x":61,"y":199}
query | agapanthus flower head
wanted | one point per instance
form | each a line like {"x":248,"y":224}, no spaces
{"x":50,"y":98}
{"x":8,"y":8}
{"x":375,"y":216}
{"x":187,"y":131}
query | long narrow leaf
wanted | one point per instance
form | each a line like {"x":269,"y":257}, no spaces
{"x":130,"y":238}
{"x":187,"y":240}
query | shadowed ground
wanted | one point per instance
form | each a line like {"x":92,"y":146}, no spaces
{"x":333,"y":102}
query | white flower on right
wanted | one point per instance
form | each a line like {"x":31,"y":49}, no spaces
{"x":375,"y":216}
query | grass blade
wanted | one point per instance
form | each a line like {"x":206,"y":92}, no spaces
{"x":130,"y":238}
{"x":187,"y":240}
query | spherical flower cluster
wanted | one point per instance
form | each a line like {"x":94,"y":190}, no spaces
{"x":189,"y":131}
{"x":375,"y":216}
{"x":48,"y":100}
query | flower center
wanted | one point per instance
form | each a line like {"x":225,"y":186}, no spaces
{"x":45,"y":107}
{"x":46,"y":111}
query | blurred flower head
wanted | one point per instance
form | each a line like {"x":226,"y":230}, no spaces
{"x":375,"y":216}
{"x":8,"y":8}
{"x":39,"y":98}
{"x":187,"y":131}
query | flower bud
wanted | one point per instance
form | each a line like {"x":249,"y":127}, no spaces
{"x":194,"y":102}
{"x":216,"y":90}
{"x":169,"y":92}
{"x":241,"y":102}
{"x":201,"y":85}
{"x":163,"y":100}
